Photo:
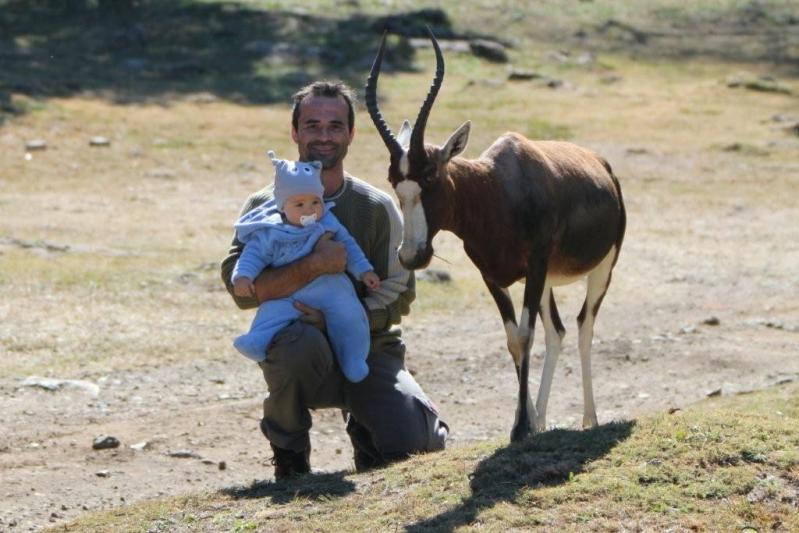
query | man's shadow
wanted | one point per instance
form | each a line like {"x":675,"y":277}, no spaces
{"x":310,"y":486}
{"x":547,"y":459}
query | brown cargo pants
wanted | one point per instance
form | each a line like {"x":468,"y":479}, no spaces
{"x":388,"y":415}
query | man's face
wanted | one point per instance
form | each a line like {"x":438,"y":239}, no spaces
{"x":322,"y":132}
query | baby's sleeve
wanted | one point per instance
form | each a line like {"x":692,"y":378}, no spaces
{"x":253,"y":259}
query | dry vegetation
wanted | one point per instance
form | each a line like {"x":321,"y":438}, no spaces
{"x":109,"y":273}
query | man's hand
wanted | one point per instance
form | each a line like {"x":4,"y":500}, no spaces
{"x":330,"y":256}
{"x":312,"y":316}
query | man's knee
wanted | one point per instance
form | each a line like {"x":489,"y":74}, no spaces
{"x":297,"y":351}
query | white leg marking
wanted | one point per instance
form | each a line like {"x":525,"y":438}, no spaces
{"x":414,"y":232}
{"x":552,"y":338}
{"x":511,"y":331}
{"x":526,"y":334}
{"x":598,"y":280}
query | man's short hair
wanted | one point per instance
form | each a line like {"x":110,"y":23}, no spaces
{"x":328,"y":89}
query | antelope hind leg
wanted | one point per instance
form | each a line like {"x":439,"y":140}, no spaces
{"x":597,"y":286}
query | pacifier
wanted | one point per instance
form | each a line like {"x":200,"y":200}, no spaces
{"x":307,"y":220}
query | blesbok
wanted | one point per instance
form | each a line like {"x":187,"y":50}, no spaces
{"x":544,"y":211}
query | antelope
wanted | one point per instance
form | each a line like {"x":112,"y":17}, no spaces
{"x":546,"y":212}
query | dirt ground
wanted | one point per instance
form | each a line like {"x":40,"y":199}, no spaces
{"x":704,"y":301}
{"x":683,"y":321}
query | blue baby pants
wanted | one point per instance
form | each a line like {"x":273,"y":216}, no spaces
{"x":345,"y":317}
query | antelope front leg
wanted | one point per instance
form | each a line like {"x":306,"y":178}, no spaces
{"x":525,"y":411}
{"x":526,"y":414}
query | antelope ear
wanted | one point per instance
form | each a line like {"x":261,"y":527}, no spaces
{"x":456,"y":142}
{"x":404,"y":135}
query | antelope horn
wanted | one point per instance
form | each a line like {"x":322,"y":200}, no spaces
{"x":417,"y":136}
{"x":390,"y":141}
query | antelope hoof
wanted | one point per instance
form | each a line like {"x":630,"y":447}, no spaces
{"x":589,"y":421}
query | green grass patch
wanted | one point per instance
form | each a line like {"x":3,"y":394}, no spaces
{"x":724,"y":464}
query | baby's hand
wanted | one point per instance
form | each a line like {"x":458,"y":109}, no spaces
{"x":371,"y":280}
{"x":243,"y":287}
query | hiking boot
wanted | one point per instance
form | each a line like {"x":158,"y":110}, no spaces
{"x":289,"y":463}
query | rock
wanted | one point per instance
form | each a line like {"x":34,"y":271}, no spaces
{"x":222,"y":465}
{"x":711,"y":321}
{"x":105,"y":442}
{"x":161,"y":173}
{"x":183,"y":454}
{"x":140,"y":446}
{"x":489,"y":50}
{"x":523,"y":75}
{"x":103,"y":473}
{"x":434,"y":276}
{"x":99,"y":141}
{"x":714,"y":393}
{"x":36,"y":144}
{"x":56,"y":384}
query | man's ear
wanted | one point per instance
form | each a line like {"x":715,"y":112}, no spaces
{"x":456,"y":142}
{"x":294,"y":136}
{"x":352,"y":133}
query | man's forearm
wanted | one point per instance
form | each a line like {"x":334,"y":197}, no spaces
{"x":280,"y":282}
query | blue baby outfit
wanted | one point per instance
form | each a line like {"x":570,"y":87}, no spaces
{"x":270,"y":242}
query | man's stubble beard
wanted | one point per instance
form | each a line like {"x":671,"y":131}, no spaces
{"x":331,"y":160}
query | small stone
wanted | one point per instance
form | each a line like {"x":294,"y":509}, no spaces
{"x":103,"y":473}
{"x":434,"y":276}
{"x":183,"y":454}
{"x":99,"y":141}
{"x":523,"y":75}
{"x":104,"y":442}
{"x":139,"y":446}
{"x":222,"y":465}
{"x":711,"y":321}
{"x":714,"y":393}
{"x":36,"y":144}
{"x":490,"y":50}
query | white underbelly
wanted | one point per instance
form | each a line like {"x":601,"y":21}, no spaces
{"x":557,"y":280}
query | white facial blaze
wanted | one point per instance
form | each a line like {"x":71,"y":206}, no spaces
{"x":414,"y":233}
{"x":404,"y":165}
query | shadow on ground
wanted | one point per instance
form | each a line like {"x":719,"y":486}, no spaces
{"x":162,"y":50}
{"x":548,"y":459}
{"x":312,"y":486}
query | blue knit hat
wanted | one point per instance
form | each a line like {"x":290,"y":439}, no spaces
{"x":295,"y":177}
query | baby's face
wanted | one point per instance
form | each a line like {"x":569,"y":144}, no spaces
{"x":302,"y":205}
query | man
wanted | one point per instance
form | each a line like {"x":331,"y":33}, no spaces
{"x":388,"y":415}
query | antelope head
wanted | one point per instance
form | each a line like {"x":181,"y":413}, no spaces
{"x":417,"y":171}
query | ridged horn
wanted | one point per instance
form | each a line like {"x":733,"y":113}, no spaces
{"x":389,"y":139}
{"x":417,"y":136}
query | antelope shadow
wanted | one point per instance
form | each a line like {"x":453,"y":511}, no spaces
{"x":546,"y":459}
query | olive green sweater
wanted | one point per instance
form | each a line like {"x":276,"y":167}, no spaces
{"x":370,"y":215}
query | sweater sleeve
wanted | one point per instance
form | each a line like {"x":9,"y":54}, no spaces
{"x":236,"y":247}
{"x":393,"y":299}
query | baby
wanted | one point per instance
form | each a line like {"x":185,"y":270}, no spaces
{"x":283,"y":230}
